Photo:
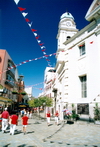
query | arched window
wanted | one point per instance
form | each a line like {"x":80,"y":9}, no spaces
{"x":68,"y":37}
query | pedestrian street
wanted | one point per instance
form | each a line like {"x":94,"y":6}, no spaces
{"x":79,"y":134}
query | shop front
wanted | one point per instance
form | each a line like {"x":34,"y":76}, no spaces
{"x":5,"y":102}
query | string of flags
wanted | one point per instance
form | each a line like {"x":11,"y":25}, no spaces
{"x":34,"y":31}
{"x":21,"y":63}
{"x":26,"y":85}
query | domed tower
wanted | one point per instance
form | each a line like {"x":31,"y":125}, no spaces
{"x":66,"y":29}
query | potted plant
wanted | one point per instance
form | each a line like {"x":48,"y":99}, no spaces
{"x":74,"y":115}
{"x":23,"y":93}
{"x":14,"y":91}
{"x":97,"y":114}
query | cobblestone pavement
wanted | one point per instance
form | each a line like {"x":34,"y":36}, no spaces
{"x":79,"y":134}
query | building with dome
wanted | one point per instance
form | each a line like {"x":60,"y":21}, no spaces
{"x":78,"y":64}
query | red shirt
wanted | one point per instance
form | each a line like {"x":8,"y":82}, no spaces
{"x":48,"y":114}
{"x":24,"y":120}
{"x":5,"y":115}
{"x":56,"y":114}
{"x":14,"y":119}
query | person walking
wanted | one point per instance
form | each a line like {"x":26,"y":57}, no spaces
{"x":56,"y":117}
{"x":48,"y":118}
{"x":13,"y":122}
{"x":24,"y":122}
{"x":22,"y":112}
{"x":5,"y":119}
{"x":0,"y":119}
{"x":30,"y":114}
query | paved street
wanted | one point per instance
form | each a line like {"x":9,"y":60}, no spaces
{"x":79,"y":134}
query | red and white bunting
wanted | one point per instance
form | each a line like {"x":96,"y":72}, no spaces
{"x":45,"y":56}
{"x":22,"y":10}
{"x":16,"y":1}
{"x":26,"y":85}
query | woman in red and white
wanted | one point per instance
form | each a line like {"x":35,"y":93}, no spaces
{"x":48,"y":118}
{"x":56,"y":117}
{"x":13,"y":122}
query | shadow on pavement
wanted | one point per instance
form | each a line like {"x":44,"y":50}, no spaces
{"x":6,"y":145}
{"x":30,"y":132}
{"x":18,"y":132}
{"x":50,"y":124}
{"x":23,"y":145}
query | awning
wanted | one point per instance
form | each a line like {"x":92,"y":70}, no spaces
{"x":3,"y":99}
{"x":22,"y":106}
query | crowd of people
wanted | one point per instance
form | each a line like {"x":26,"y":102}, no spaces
{"x":11,"y":120}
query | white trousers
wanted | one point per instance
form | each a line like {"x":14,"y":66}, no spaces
{"x":4,"y":124}
{"x":12,"y":129}
{"x":56,"y":120}
{"x":48,"y":119}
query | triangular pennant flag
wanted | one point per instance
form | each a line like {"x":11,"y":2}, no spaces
{"x":37,"y":37}
{"x":16,"y":1}
{"x":39,"y":57}
{"x":38,"y":41}
{"x":33,"y":30}
{"x":44,"y":53}
{"x":27,"y":20}
{"x":27,"y":60}
{"x":42,"y":47}
{"x":24,"y":14}
{"x":47,"y":59}
{"x":14,"y":66}
{"x":41,"y":44}
{"x":22,"y":62}
{"x":43,"y":50}
{"x":35,"y":34}
{"x":21,"y":9}
{"x":30,"y":24}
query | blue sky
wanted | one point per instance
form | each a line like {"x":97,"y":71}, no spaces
{"x":19,"y":41}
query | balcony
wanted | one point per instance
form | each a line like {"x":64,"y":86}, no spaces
{"x":11,"y":84}
{"x":9,"y":72}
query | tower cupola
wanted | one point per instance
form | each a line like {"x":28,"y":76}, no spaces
{"x":66,"y":29}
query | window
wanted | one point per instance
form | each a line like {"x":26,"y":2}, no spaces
{"x":82,"y":49}
{"x":83,"y":108}
{"x":83,"y":86}
{"x":68,"y":37}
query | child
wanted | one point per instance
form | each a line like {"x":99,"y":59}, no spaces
{"x":24,"y":122}
{"x":13,"y":122}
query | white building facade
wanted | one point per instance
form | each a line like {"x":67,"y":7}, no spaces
{"x":78,"y":64}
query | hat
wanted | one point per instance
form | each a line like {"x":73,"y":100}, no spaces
{"x":5,"y":108}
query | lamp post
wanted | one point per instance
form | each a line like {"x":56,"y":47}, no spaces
{"x":20,"y":88}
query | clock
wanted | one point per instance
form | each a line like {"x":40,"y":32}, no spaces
{"x":68,"y":23}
